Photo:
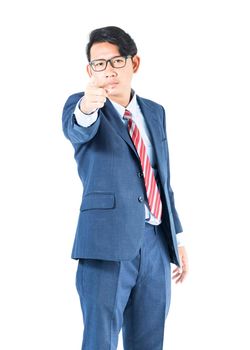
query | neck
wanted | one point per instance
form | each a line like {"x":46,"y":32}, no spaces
{"x":122,"y":100}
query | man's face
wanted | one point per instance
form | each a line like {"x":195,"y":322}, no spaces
{"x":116,"y":81}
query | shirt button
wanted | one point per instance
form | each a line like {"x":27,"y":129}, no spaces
{"x":139,"y":174}
{"x":140,"y":199}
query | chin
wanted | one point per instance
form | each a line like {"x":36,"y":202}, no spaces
{"x":113,"y":92}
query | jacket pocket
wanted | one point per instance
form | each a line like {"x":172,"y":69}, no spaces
{"x":98,"y":200}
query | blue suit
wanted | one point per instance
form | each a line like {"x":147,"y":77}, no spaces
{"x":111,"y":225}
{"x":114,"y":191}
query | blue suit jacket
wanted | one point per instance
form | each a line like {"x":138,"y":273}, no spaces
{"x":112,"y":214}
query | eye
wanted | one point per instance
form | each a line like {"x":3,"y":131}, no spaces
{"x":118,"y":60}
{"x":99,"y":64}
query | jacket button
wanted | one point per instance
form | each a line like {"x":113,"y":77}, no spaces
{"x":140,"y":199}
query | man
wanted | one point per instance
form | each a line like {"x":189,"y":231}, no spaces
{"x":128,"y":227}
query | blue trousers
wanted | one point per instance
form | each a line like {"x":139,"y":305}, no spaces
{"x":132,"y":295}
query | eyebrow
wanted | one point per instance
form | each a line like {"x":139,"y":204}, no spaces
{"x":106,"y":59}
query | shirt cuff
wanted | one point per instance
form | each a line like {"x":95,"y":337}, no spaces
{"x":180,"y":239}
{"x":83,"y":119}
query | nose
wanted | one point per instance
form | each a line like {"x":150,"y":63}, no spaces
{"x":109,"y":71}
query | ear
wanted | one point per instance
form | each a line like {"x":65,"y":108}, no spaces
{"x":89,"y":70}
{"x":136,"y":63}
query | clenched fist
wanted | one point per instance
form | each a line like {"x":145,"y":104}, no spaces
{"x":94,"y":98}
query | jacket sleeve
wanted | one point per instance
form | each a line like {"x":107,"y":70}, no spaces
{"x":74,"y":132}
{"x":178,"y":226}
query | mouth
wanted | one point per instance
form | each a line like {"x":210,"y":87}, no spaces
{"x":111,"y":85}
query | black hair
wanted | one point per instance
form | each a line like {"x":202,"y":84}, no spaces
{"x":115,"y":36}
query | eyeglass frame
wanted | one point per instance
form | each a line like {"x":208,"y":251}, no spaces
{"x":109,"y":61}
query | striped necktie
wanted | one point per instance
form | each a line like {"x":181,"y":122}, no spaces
{"x":153,"y":194}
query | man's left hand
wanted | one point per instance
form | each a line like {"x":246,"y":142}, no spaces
{"x":180,"y":273}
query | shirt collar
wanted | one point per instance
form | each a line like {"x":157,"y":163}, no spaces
{"x":131,"y":107}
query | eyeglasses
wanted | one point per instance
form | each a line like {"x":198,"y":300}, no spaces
{"x":116,"y":62}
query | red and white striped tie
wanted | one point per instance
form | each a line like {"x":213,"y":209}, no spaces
{"x":153,"y":194}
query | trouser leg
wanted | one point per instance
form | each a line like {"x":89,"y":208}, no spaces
{"x":148,"y":304}
{"x":104,"y":288}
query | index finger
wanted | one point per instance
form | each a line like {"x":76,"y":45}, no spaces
{"x":94,"y":82}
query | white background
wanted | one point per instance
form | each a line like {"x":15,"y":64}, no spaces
{"x":203,"y":84}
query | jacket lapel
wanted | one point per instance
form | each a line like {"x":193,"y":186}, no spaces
{"x":116,"y":123}
{"x":153,"y":123}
